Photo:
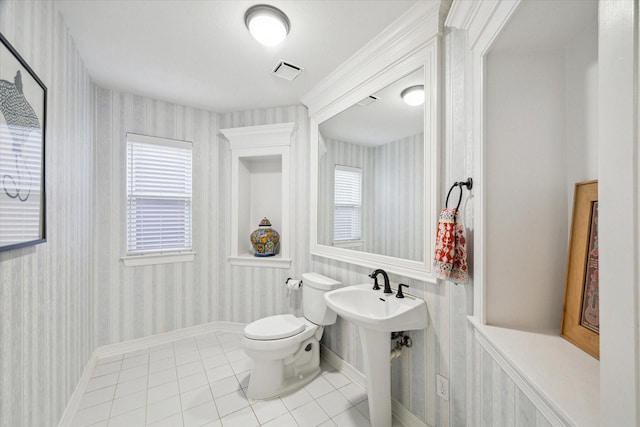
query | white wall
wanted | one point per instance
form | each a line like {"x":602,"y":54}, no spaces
{"x":46,"y":335}
{"x":619,"y":196}
{"x":525,"y":184}
{"x":582,"y":110}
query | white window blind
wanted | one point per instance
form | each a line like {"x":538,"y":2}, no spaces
{"x":347,"y":218}
{"x":20,"y":180}
{"x":158,"y":195}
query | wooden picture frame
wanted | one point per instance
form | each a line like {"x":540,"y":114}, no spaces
{"x":23,"y":114}
{"x":580,"y":319}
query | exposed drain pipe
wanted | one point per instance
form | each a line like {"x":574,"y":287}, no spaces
{"x":402,"y":341}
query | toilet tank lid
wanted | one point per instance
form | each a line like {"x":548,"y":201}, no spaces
{"x":319,"y":281}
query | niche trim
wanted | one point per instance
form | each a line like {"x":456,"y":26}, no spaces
{"x":252,"y":146}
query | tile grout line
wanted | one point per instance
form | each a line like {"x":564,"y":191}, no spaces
{"x":229,"y":346}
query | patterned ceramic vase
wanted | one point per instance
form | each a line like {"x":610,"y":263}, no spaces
{"x":265,"y":240}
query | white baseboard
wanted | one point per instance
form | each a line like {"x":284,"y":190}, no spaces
{"x":134,"y":345}
{"x":74,"y":401}
{"x":164,"y":338}
{"x":398,"y":411}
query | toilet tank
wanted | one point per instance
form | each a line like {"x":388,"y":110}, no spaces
{"x":315,"y":309}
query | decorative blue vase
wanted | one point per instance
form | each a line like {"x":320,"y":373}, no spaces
{"x":265,"y":240}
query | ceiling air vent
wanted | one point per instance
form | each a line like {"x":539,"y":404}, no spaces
{"x":286,"y":70}
{"x":368,"y":101}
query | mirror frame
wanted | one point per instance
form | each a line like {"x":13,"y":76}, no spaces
{"x":409,"y":43}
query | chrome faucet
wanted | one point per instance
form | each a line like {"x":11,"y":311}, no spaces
{"x":387,"y":286}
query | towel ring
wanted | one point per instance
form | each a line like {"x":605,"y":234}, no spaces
{"x":468,"y":183}
{"x":446,"y":204}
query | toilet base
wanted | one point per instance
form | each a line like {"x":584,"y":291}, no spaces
{"x":273,"y":378}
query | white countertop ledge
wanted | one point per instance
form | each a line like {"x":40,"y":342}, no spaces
{"x":561,"y":380}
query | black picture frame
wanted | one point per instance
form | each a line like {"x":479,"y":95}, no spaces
{"x":23,"y":115}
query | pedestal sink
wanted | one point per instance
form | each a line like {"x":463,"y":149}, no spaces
{"x":377,"y":315}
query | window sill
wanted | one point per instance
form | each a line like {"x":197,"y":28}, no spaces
{"x":248,"y":260}
{"x":561,"y":380}
{"x":348,"y":244}
{"x":161,"y":258}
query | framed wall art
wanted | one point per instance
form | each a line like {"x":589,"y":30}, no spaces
{"x":23,"y":111}
{"x":580,"y":320}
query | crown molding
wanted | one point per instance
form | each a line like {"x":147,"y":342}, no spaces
{"x":409,"y":33}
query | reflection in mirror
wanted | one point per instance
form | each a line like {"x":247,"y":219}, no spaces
{"x":371,"y":175}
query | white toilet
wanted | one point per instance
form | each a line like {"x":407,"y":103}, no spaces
{"x":285,"y":349}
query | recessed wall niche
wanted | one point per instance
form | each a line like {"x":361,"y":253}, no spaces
{"x":259,"y":188}
{"x":540,"y":139}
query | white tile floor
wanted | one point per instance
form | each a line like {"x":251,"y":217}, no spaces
{"x":201,"y":381}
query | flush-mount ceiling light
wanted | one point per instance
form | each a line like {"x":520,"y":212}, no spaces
{"x":267,"y":24}
{"x":413,"y":95}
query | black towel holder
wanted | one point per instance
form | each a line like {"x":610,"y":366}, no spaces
{"x":468,"y":183}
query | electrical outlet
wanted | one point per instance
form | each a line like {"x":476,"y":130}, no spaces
{"x":442,"y":387}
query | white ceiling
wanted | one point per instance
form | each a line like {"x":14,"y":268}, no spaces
{"x":199,"y":53}
{"x":386,"y":120}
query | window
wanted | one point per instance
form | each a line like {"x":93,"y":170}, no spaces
{"x":158,"y":195}
{"x":347,"y":222}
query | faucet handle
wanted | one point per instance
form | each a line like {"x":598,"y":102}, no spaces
{"x":400,"y":294}
{"x":374,"y":276}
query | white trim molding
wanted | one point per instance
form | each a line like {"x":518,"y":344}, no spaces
{"x":410,"y":43}
{"x":255,"y":142}
{"x":159,"y":258}
{"x":260,"y":136}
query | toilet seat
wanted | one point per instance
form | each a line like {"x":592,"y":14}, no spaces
{"x":274,"y":327}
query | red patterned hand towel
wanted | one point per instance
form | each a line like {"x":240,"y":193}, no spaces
{"x":450,"y":260}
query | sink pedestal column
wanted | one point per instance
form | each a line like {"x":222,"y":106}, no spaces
{"x":377,"y":349}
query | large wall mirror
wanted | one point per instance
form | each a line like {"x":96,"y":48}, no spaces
{"x":370,"y":169}
{"x":374,"y":169}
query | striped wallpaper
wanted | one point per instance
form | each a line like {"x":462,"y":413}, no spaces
{"x":399,"y":202}
{"x":61,"y":299}
{"x":46,"y":336}
{"x":392,"y":198}
{"x":133,"y":302}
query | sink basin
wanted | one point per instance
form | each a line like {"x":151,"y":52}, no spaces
{"x":377,"y":314}
{"x":376,"y":310}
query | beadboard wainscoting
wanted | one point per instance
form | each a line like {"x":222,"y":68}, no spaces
{"x":503,"y":402}
{"x":46,"y":335}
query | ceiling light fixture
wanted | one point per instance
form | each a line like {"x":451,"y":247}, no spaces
{"x":267,"y":24}
{"x":413,"y":95}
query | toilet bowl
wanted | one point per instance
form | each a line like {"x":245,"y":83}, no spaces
{"x":286,"y":349}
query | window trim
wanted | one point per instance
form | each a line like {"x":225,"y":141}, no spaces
{"x":155,"y":256}
{"x":158,"y":258}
